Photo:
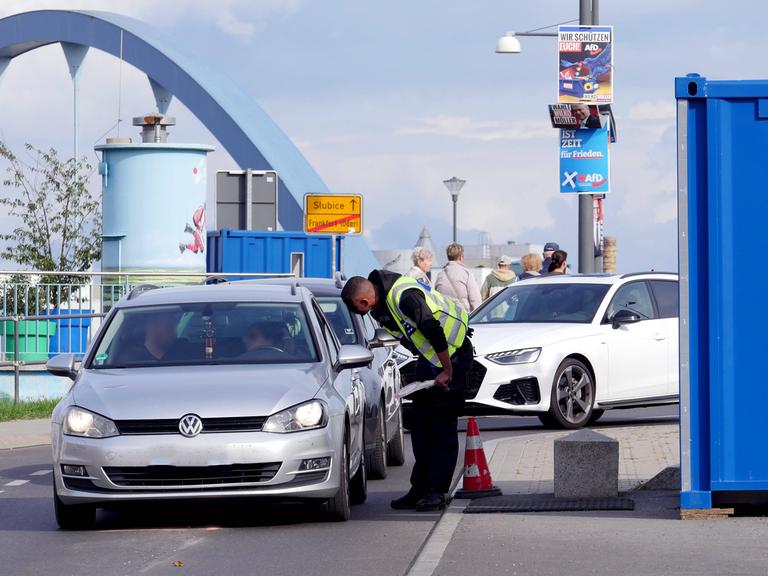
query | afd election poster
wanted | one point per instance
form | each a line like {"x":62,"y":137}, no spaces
{"x":584,"y":165}
{"x":585,"y":55}
{"x":577,"y":116}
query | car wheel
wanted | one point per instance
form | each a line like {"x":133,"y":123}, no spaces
{"x":73,"y":516}
{"x":596,"y":414}
{"x":377,"y":463}
{"x":358,"y":490}
{"x":396,"y":446}
{"x":573,"y":395}
{"x":338,"y":508}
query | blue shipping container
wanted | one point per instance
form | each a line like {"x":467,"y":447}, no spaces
{"x":252,"y":251}
{"x":722,"y":127}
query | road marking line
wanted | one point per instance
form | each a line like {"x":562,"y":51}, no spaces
{"x":17,"y":482}
{"x":432,"y":551}
{"x":41,"y":472}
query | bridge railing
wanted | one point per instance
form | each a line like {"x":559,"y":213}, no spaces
{"x":43,"y":314}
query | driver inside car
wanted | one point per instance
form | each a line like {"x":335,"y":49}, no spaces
{"x":263,"y":335}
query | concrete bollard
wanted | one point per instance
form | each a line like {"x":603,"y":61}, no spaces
{"x":586,"y":466}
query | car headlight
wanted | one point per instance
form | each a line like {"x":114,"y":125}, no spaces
{"x":307,"y":416}
{"x":81,"y":422}
{"x":519,"y":356}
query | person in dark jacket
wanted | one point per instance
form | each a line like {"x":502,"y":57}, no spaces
{"x":549,"y":248}
{"x":442,"y":357}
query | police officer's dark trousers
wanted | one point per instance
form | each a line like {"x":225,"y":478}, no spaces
{"x":434,"y":424}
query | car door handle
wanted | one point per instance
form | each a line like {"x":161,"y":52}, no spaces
{"x":659,"y":337}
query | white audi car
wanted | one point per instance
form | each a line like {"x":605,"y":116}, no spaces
{"x":568,"y":347}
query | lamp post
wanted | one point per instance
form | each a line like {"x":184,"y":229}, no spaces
{"x":454,"y":186}
{"x":509,"y":44}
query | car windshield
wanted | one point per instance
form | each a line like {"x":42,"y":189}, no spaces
{"x":206,"y":333}
{"x":338,"y":315}
{"x":533,"y":302}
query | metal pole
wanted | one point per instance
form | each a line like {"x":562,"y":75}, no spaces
{"x":16,"y":360}
{"x":248,"y":199}
{"x":76,"y":95}
{"x":599,"y":266}
{"x":455,"y":199}
{"x":333,"y":255}
{"x":586,"y":211}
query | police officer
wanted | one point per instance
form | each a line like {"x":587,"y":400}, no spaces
{"x":434,"y":328}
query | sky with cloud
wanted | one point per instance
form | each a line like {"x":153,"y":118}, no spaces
{"x":390,"y":99}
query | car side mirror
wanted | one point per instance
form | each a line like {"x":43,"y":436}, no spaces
{"x":624,"y":317}
{"x":62,"y":365}
{"x":383,"y":339}
{"x":353,"y":356}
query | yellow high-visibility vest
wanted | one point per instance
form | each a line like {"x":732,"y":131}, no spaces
{"x":451,"y":317}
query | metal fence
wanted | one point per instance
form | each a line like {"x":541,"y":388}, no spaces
{"x":43,"y":314}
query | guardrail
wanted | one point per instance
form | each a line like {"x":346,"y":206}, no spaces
{"x":52,"y":318}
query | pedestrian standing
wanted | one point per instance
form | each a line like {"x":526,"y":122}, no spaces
{"x":549,"y":248}
{"x":435,"y":329}
{"x":499,"y":278}
{"x":559,"y":263}
{"x":422,"y":264}
{"x":531,"y":266}
{"x":456,"y":280}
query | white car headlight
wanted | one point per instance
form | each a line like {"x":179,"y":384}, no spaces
{"x":81,"y":422}
{"x":519,"y":356}
{"x":307,"y":416}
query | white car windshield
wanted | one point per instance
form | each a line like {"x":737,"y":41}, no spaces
{"x":534,"y":302}
{"x":206,"y":333}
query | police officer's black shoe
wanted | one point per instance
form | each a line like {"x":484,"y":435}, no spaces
{"x":430,"y":502}
{"x":407,"y":502}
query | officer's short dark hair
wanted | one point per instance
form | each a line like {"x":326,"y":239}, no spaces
{"x":352,"y":288}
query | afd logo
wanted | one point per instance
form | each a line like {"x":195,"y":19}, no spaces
{"x":580,"y":181}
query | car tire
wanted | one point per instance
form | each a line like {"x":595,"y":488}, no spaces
{"x":597,"y":413}
{"x":339,"y":508}
{"x":547,"y":421}
{"x":573,"y":395}
{"x":358,"y":489}
{"x":396,"y":446}
{"x":73,"y":516}
{"x":377,"y":463}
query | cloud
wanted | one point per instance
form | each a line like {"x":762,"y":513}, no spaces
{"x":467,"y":128}
{"x":236,"y":18}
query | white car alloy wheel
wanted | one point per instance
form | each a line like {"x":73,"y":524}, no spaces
{"x":573,"y":395}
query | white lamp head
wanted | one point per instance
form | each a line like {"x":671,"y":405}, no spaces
{"x":508,"y":44}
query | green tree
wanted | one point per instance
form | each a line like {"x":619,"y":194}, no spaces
{"x":59,"y":219}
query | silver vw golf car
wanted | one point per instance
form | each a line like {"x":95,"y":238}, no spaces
{"x":208,"y":392}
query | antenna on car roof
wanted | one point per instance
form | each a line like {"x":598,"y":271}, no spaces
{"x":140,"y":289}
{"x":294,"y":287}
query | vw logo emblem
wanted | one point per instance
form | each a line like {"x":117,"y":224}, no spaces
{"x":190,"y":425}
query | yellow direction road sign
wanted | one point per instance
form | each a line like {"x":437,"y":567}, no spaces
{"x":333,"y":213}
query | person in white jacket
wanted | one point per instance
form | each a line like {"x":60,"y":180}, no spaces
{"x":422,"y":263}
{"x":456,"y":280}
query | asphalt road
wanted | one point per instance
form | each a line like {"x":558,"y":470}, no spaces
{"x":223,"y":538}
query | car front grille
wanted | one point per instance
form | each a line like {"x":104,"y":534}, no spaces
{"x":171,"y":425}
{"x":474,"y":380}
{"x":519,"y":392}
{"x":162,"y":476}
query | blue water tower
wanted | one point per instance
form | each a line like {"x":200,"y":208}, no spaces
{"x":153,"y":203}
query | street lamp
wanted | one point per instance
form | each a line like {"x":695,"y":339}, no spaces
{"x":454,"y":186}
{"x":509,"y":44}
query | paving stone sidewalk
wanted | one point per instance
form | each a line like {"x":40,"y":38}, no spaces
{"x":525,"y":465}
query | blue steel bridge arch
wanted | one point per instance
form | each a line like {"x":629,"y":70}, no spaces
{"x":246,"y":131}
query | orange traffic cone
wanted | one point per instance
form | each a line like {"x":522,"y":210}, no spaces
{"x":477,"y":477}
